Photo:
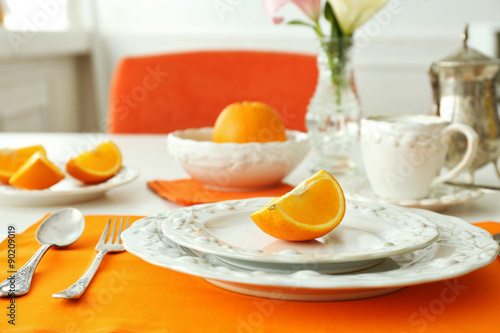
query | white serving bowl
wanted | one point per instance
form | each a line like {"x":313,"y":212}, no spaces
{"x":236,"y":166}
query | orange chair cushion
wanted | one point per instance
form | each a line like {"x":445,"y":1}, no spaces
{"x":159,"y":94}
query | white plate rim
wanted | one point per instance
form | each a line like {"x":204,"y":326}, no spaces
{"x":183,"y":224}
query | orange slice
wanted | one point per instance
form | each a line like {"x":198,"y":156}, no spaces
{"x":248,"y":122}
{"x":36,"y":173}
{"x":311,"y":210}
{"x":12,"y":159}
{"x":97,"y":165}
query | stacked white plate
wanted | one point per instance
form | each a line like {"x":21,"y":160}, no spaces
{"x":377,"y":249}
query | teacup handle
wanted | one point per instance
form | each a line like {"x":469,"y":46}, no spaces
{"x":470,"y":153}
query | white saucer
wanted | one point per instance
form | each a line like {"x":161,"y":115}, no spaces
{"x":357,"y":187}
{"x":68,"y":190}
{"x":461,"y":248}
{"x":367,"y":234}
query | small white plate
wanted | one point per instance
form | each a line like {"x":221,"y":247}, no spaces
{"x":366,"y":233}
{"x":68,"y":190}
{"x":461,"y":248}
{"x":357,"y":187}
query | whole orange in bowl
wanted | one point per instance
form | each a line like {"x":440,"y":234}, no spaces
{"x":247,"y":149}
{"x":311,"y":210}
{"x":248,"y":122}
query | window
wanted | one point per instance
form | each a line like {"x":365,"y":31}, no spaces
{"x":37,"y":15}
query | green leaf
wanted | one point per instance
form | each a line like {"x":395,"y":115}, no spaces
{"x":297,"y":22}
{"x":330,"y":16}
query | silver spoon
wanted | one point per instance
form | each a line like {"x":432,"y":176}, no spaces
{"x":61,"y":228}
{"x":497,"y":238}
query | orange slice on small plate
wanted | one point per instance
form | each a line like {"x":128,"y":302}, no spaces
{"x":12,"y":159}
{"x":36,"y":173}
{"x":96,"y":165}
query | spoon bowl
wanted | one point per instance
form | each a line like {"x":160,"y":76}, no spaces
{"x":61,"y":228}
{"x":497,"y":238}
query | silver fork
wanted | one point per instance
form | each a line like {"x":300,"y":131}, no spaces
{"x":112,"y":244}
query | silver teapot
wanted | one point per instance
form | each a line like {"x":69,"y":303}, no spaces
{"x":464,"y":91}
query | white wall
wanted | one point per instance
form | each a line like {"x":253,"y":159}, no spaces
{"x":426,"y":17}
{"x":391,"y":64}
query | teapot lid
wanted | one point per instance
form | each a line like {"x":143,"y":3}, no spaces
{"x":466,"y":56}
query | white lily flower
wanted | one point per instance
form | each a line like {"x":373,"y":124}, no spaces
{"x":351,"y":14}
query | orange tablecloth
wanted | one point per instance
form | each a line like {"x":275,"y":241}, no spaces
{"x":130,"y":295}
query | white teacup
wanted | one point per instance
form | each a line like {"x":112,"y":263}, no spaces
{"x":404,"y":154}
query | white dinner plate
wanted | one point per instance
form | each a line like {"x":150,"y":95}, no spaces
{"x":367,"y":234}
{"x":461,"y":248}
{"x":357,"y":187}
{"x":67,"y":191}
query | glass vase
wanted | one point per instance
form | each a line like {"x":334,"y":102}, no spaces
{"x":334,"y":111}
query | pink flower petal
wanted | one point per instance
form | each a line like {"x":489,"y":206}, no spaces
{"x":272,"y":6}
{"x":311,"y":8}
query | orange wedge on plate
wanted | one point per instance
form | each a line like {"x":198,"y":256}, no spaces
{"x":97,"y":165}
{"x":36,"y":173}
{"x":12,"y":159}
{"x":311,"y":210}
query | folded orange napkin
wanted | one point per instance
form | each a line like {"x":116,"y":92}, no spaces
{"x":191,"y":192}
{"x":131,"y":295}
